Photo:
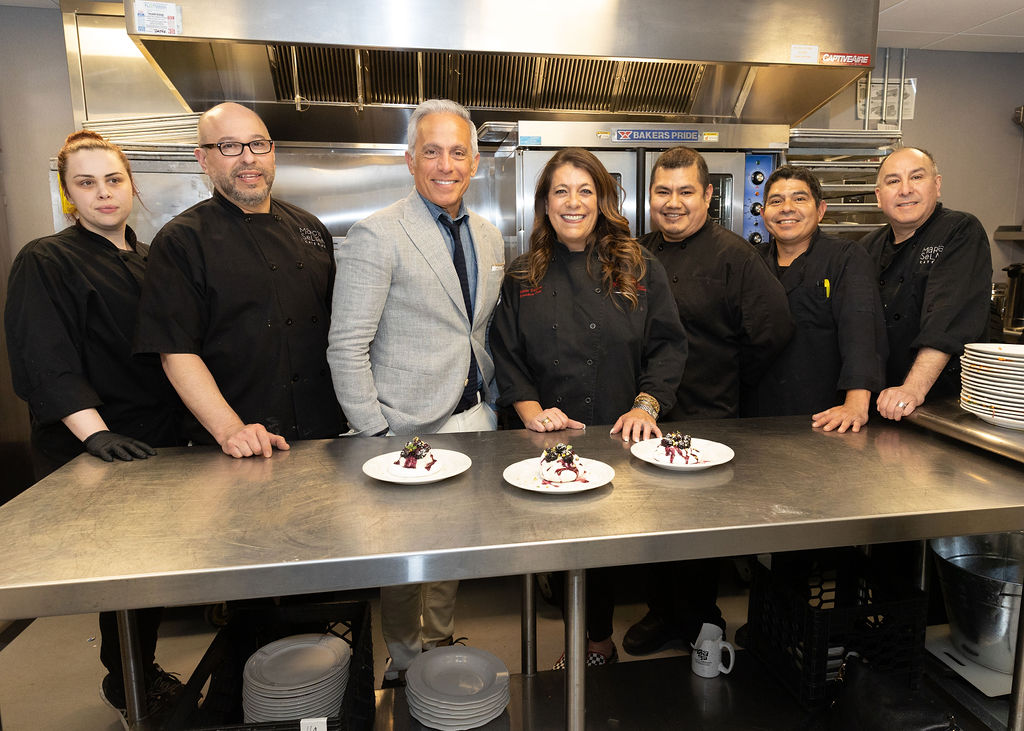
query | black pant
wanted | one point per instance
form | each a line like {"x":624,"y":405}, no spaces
{"x":110,"y":642}
{"x":684,"y":594}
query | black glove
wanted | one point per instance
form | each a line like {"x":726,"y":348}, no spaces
{"x":107,"y":445}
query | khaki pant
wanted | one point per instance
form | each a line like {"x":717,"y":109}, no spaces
{"x":414,"y":617}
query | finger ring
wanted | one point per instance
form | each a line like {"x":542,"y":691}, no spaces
{"x":901,"y":404}
{"x":545,"y":420}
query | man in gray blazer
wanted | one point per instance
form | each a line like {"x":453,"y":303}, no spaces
{"x":415,"y":288}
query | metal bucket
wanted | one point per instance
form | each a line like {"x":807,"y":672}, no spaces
{"x":981,"y":580}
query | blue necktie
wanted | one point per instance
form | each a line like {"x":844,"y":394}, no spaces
{"x":469,"y":394}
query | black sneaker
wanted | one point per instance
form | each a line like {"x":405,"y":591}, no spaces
{"x":162,"y":689}
{"x":112,"y":694}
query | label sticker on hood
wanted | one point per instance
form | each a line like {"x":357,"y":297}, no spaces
{"x":157,"y":18}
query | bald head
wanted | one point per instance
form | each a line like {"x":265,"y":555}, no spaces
{"x":908,"y":190}
{"x":243,"y":179}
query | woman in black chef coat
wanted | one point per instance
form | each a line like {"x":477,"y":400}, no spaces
{"x":69,"y":319}
{"x":587,"y":331}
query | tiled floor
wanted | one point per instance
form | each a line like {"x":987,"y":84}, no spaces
{"x":50,"y":675}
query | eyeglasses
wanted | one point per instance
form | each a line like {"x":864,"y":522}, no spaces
{"x":234,"y":149}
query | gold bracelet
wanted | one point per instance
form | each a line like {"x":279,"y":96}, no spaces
{"x":648,"y":403}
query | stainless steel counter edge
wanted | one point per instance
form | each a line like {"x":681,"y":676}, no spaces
{"x":949,"y":419}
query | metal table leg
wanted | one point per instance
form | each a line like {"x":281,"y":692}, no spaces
{"x":528,"y":614}
{"x":575,"y":650}
{"x":131,"y":664}
{"x":1016,"y":719}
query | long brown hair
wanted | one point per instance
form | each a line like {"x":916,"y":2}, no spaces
{"x":619,"y":255}
{"x":85,"y":139}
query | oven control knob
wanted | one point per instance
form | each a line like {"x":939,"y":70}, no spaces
{"x":756,"y":209}
{"x":757,"y":178}
{"x":755,"y":238}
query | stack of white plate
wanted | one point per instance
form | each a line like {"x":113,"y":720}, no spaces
{"x":456,"y":688}
{"x":302,"y":676}
{"x":993,"y":383}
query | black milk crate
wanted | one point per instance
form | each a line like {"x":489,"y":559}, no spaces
{"x":252,"y":625}
{"x":812,"y":608}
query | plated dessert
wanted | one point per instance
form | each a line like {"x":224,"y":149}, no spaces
{"x":416,"y":460}
{"x":560,"y":464}
{"x":677,"y":448}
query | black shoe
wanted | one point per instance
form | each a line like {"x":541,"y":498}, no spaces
{"x":650,"y":635}
{"x":162,"y":689}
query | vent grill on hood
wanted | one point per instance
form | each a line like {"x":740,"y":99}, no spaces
{"x":331,"y":75}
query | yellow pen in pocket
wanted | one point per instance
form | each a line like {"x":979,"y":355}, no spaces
{"x":828,"y":289}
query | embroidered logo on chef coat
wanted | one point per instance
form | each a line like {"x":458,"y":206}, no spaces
{"x":311,"y":237}
{"x":530,"y":292}
{"x":930,"y":253}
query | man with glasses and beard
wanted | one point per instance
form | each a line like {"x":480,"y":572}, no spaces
{"x":238,"y":301}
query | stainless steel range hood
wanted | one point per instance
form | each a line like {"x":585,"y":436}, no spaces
{"x":351,"y":70}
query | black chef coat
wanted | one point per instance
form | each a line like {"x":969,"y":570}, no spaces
{"x":935,"y":289}
{"x":735,"y":313}
{"x":251,"y":295}
{"x":567,"y":344}
{"x":70,"y":317}
{"x":839,"y":343}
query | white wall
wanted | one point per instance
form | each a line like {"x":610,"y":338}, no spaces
{"x":963,"y":116}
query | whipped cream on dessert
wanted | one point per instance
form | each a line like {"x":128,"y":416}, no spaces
{"x":560,"y":464}
{"x":416,"y":460}
{"x":676,"y":448}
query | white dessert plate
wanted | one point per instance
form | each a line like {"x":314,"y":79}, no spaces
{"x":993,"y":399}
{"x":525,"y":475}
{"x":457,"y":674}
{"x":297,"y":661}
{"x":989,"y":406}
{"x":992,"y":369}
{"x":449,"y":464}
{"x":711,"y":454}
{"x":1014,"y":351}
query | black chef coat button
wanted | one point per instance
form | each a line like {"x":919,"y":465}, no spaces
{"x":555,"y":326}
{"x":675,"y":279}
{"x":299,"y":265}
{"x":556,"y":361}
{"x":881,"y":282}
{"x":661,"y":247}
{"x":558,"y":400}
{"x":289,"y":321}
{"x":295,"y":378}
{"x":269,"y":324}
{"x":590,"y":362}
{"x":587,"y":400}
{"x":315,"y":319}
{"x":900,"y":280}
{"x":273,"y":267}
{"x":593,"y":326}
{"x":277,"y":218}
{"x":896,"y":316}
{"x":597,"y":290}
{"x":248,"y":219}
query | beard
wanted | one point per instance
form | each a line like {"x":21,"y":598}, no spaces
{"x":243,"y":194}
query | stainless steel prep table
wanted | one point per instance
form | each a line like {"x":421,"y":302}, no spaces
{"x":194,"y":526}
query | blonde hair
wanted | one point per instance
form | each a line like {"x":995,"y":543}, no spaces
{"x":84,"y":139}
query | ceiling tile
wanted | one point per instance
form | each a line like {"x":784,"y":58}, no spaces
{"x":1008,"y":25}
{"x":907,"y":39}
{"x":944,"y":16}
{"x":886,"y":4}
{"x":972,"y":42}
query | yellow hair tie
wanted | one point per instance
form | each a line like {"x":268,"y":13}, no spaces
{"x":65,"y":205}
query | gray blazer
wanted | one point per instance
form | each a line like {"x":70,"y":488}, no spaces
{"x":398,"y":346}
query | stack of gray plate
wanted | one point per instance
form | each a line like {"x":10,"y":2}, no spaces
{"x":456,"y":688}
{"x":993,"y":383}
{"x":302,"y":676}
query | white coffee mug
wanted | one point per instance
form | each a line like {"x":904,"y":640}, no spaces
{"x":706,"y":659}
